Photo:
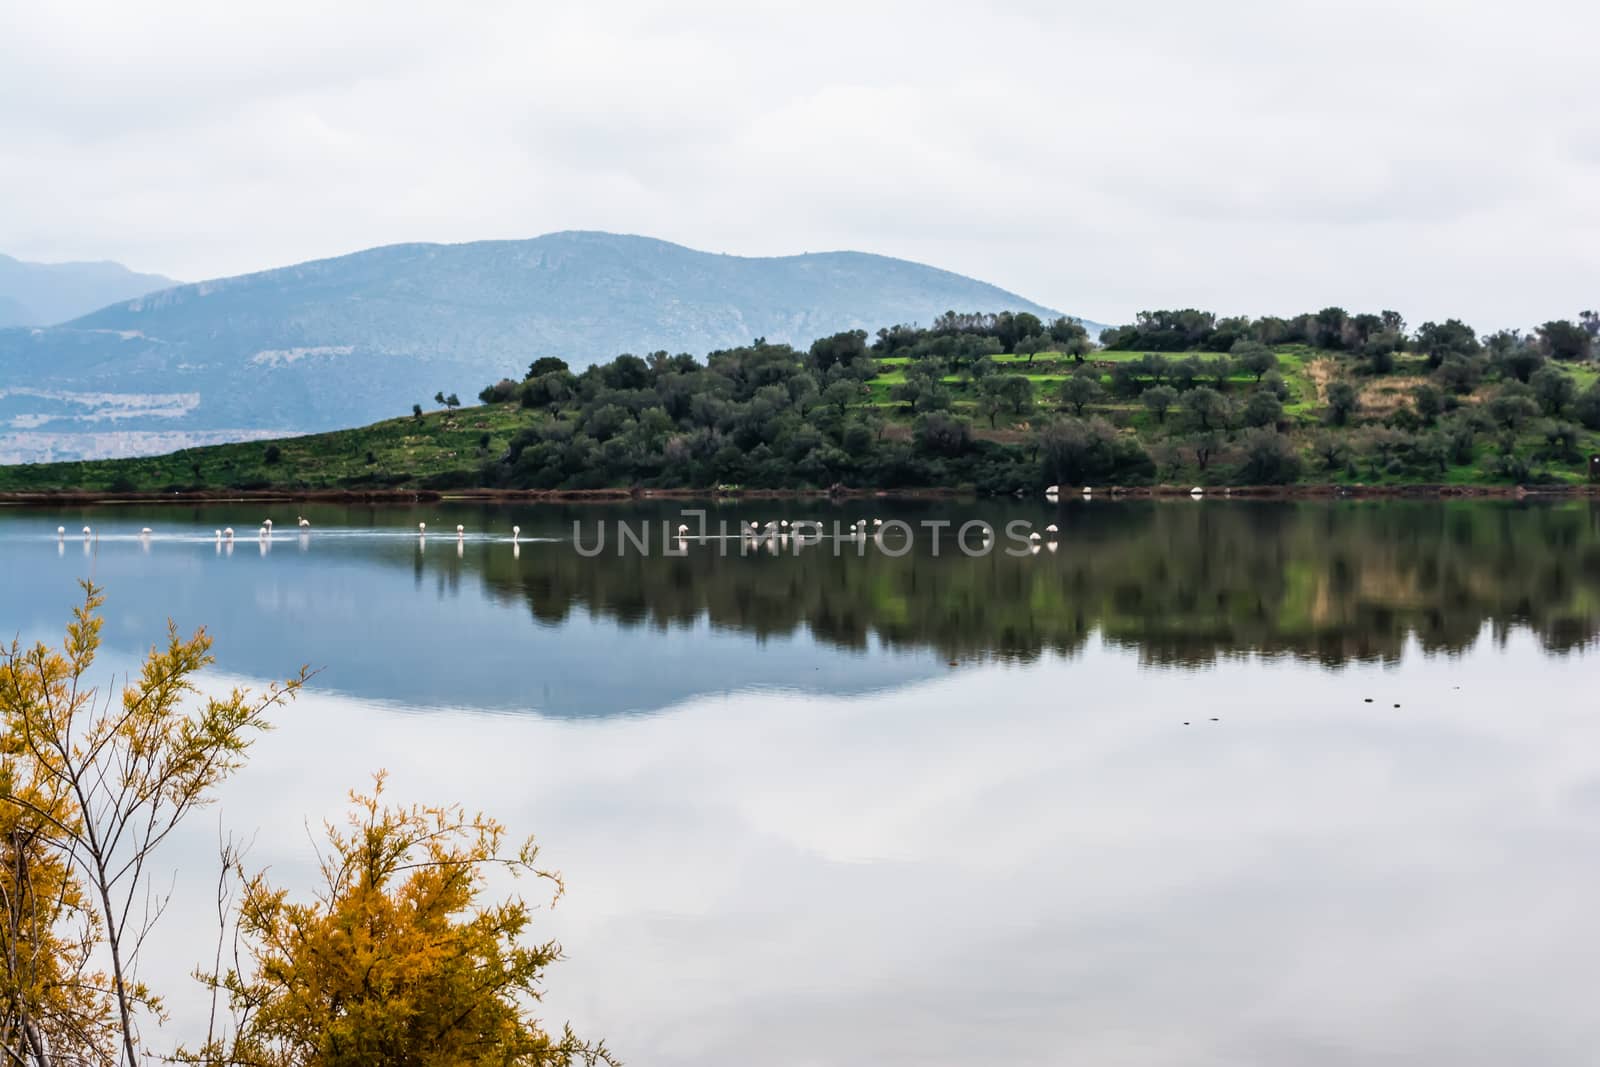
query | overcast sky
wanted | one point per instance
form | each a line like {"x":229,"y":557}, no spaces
{"x":1435,"y":156}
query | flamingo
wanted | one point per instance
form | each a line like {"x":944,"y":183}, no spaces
{"x":267,"y":523}
{"x":61,"y":531}
{"x":516,"y":532}
{"x":683,"y":529}
{"x":228,"y":533}
{"x":145,"y":532}
{"x":218,"y":533}
{"x":305,"y":523}
{"x":877,"y":522}
{"x":422,"y":528}
{"x":86,"y":531}
{"x":1034,"y":536}
{"x":461,"y":531}
{"x":1052,"y":490}
{"x":1051,"y":528}
{"x":1197,"y":491}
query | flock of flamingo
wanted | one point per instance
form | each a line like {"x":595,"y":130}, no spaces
{"x":781,"y":529}
{"x":222,"y":535}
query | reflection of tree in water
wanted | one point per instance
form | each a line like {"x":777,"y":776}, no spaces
{"x":1182,"y":583}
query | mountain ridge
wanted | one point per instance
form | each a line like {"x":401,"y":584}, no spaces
{"x":349,"y":339}
{"x":46,"y":294}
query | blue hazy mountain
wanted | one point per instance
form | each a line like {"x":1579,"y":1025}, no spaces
{"x":345,"y":341}
{"x":42,"y":294}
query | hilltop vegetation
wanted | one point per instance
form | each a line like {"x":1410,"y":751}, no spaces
{"x":998,"y":403}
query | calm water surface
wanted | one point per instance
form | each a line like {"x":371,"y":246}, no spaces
{"x":1146,"y":798}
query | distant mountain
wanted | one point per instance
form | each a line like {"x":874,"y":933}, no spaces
{"x":42,"y":294}
{"x":345,"y":341}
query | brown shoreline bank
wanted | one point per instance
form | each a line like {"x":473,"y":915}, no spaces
{"x":599,"y":496}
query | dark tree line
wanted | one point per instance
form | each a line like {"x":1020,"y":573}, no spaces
{"x":1336,"y":330}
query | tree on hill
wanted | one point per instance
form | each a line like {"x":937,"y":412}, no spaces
{"x":1070,"y":337}
{"x":1254,"y":357}
{"x":923,"y":390}
{"x":1343,"y":402}
{"x":1269,"y":459}
{"x":1428,"y":402}
{"x":1262,"y":409}
{"x":1079,"y":391}
{"x":546,"y":365}
{"x":839,"y":350}
{"x":1206,"y":409}
{"x":1159,"y":400}
{"x":1004,"y":392}
{"x":1084,"y":451}
{"x":1566,"y":340}
{"x":1587,"y":407}
{"x":1436,"y":340}
{"x":1553,"y":389}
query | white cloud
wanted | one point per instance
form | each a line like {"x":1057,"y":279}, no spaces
{"x":1429,"y":156}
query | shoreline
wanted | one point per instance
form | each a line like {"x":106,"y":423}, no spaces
{"x":612,"y":496}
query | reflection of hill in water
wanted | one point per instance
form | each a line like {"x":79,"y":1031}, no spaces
{"x":1181,"y":583}
{"x":553,"y":632}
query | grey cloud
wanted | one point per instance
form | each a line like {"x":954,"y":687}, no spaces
{"x":1097,"y":156}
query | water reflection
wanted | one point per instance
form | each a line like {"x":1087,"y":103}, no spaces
{"x":511,"y":614}
{"x":1028,"y":859}
{"x":1030,"y":864}
{"x":1181,"y":584}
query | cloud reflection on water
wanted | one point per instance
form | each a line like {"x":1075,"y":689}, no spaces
{"x":1036,"y":864}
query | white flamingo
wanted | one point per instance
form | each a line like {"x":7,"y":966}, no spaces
{"x":1197,"y":491}
{"x":86,"y":531}
{"x":1051,"y":528}
{"x":145,"y":532}
{"x":1052,"y":490}
{"x":228,"y":533}
{"x":422,"y":528}
{"x":267,"y":524}
{"x":516,"y":533}
{"x":305,"y":523}
{"x":61,"y":531}
{"x":683,"y":529}
{"x":461,"y":531}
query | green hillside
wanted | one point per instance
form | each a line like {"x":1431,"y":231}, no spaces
{"x":996,"y":404}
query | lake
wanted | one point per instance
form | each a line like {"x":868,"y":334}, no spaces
{"x":1215,"y":782}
